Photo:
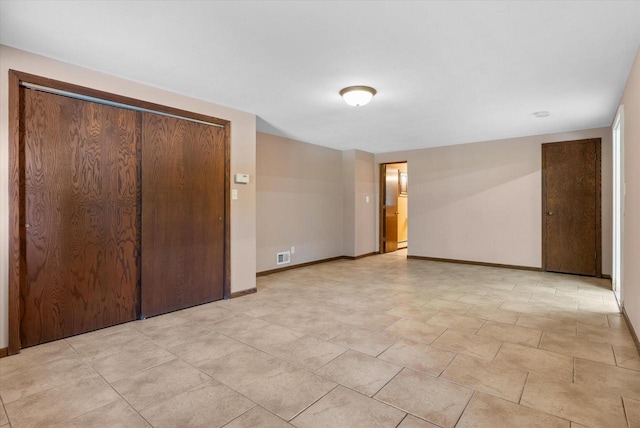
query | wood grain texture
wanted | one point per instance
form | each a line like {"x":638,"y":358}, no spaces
{"x":16,"y":211}
{"x":183,"y":214}
{"x":570,"y":207}
{"x":82,"y":217}
{"x":391,"y":209}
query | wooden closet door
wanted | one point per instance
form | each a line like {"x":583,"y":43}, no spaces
{"x":82,"y":217}
{"x":183,"y":213}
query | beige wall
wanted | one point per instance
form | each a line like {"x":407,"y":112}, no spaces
{"x":482,"y":201}
{"x":243,"y":138}
{"x":631,"y":224}
{"x":365,"y":212}
{"x":349,"y":203}
{"x":299,"y":201}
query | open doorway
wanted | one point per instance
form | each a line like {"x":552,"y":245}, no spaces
{"x":394,"y":206}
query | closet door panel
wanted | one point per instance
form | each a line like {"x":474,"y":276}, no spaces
{"x":82,"y":216}
{"x":183,"y":212}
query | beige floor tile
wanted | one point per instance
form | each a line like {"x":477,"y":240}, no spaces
{"x":36,"y":355}
{"x":614,"y":336}
{"x":159,"y":383}
{"x":309,"y":352}
{"x":617,"y":321}
{"x":486,"y":411}
{"x":4,"y":420}
{"x":206,"y":315}
{"x":549,"y":364}
{"x":345,"y":408}
{"x":367,"y":341}
{"x":573,"y":402}
{"x":457,"y":322}
{"x":511,"y":333}
{"x":493,"y":314}
{"x":238,"y":324}
{"x":581,"y":317}
{"x":627,"y":357}
{"x":416,"y":330}
{"x":287,"y":392}
{"x":160,"y":322}
{"x":366,"y":319}
{"x":61,"y":403}
{"x":548,"y":324}
{"x":20,"y":384}
{"x":448,"y":306}
{"x":429,"y":398}
{"x":526,"y":307}
{"x":608,"y":379}
{"x":361,"y":372}
{"x":207,"y":348}
{"x":117,"y":366}
{"x":243,"y":366}
{"x":108,"y":341}
{"x":269,"y":337}
{"x":207,"y":405}
{"x":176,"y":334}
{"x":116,"y":414}
{"x":486,"y":302}
{"x":412,"y":422}
{"x":412,"y":312}
{"x":475,"y":346}
{"x":321,"y":327}
{"x":577,"y":347}
{"x":632,"y":409}
{"x":492,"y":378}
{"x":258,"y":418}
{"x":418,"y":356}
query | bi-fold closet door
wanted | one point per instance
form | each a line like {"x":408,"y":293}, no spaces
{"x":124,"y":215}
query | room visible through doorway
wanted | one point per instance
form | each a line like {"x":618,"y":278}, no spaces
{"x":394,"y":205}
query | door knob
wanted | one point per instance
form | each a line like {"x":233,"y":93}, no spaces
{"x":550,"y":213}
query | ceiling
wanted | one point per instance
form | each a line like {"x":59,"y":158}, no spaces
{"x":446,"y":72}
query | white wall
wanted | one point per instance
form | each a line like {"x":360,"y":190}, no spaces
{"x":482,"y":201}
{"x":631,"y":250}
{"x":299,"y":201}
{"x":243,"y":158}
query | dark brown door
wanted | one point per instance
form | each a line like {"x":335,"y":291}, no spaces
{"x":82,"y":217}
{"x":571,"y":206}
{"x":391,"y":209}
{"x":183,"y":213}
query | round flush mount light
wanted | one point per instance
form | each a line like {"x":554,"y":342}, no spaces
{"x":357,"y":95}
{"x":543,"y":113}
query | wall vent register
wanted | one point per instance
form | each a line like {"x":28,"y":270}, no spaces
{"x":283,"y":258}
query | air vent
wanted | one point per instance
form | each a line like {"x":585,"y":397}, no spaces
{"x":283,"y":258}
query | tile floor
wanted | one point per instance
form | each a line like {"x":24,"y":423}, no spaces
{"x":379,"y":342}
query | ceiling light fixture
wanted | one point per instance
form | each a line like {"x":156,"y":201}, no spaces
{"x":542,"y":114}
{"x":358,"y":95}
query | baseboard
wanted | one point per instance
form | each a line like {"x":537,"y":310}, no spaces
{"x":633,"y":332}
{"x":299,"y":265}
{"x":243,"y":293}
{"x":4,"y":352}
{"x":361,"y":256}
{"x":315,"y":262}
{"x":469,"y":262}
{"x":605,"y":276}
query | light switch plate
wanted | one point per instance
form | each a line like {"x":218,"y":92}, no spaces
{"x":234,"y":194}
{"x":241,"y":178}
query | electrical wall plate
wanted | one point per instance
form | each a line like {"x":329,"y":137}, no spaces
{"x":241,"y":178}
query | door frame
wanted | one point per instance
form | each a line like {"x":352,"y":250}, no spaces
{"x":383,"y":194}
{"x":618,"y":206}
{"x":17,"y":236}
{"x":598,"y":184}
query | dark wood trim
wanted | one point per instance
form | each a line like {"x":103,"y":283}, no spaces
{"x":16,"y":181}
{"x":605,"y":276}
{"x":4,"y":352}
{"x":382,"y":197}
{"x":633,"y":332}
{"x":361,"y":256}
{"x":107,"y":96}
{"x":598,"y":144}
{"x":16,"y":212}
{"x":243,"y":293}
{"x":470,"y":262}
{"x":282,"y":269}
